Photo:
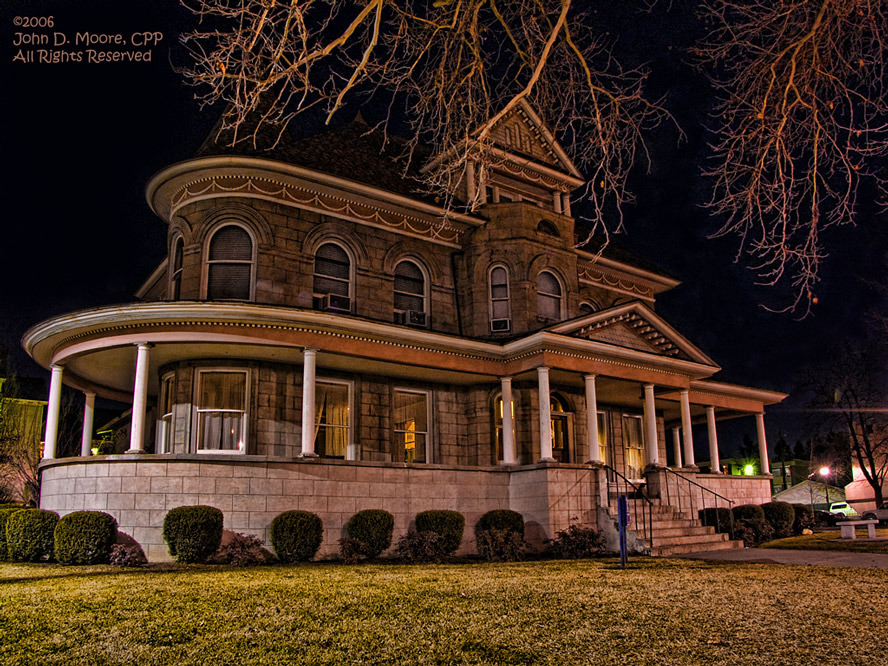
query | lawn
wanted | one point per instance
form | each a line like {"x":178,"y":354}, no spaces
{"x":587,"y":612}
{"x":830,"y":541}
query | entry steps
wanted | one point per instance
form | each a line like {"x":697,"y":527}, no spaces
{"x":677,"y":532}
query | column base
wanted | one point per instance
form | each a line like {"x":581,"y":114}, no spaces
{"x":135,"y":451}
{"x":689,"y":468}
{"x":547,"y":460}
{"x":309,"y":455}
{"x":595,"y":463}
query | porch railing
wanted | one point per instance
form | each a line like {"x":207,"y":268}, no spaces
{"x":686,"y":494}
{"x":641,"y":509}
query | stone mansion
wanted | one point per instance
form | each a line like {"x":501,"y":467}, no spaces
{"x":322,"y":337}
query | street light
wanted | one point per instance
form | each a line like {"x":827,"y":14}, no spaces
{"x":824,"y":474}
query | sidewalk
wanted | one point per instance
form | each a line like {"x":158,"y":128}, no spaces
{"x":826,"y":558}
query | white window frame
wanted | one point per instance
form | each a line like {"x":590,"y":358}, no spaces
{"x":205,"y":272}
{"x":428,"y":433}
{"x":351,"y":451}
{"x":640,"y":420}
{"x":165,"y":422}
{"x":491,"y":299}
{"x":245,"y":426}
{"x":561,"y":296}
{"x":351,"y":268}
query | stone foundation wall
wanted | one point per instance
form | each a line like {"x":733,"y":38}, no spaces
{"x":251,"y":491}
{"x":741,"y":489}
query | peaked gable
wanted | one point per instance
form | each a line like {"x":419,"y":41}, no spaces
{"x":523,"y":133}
{"x":634,"y":326}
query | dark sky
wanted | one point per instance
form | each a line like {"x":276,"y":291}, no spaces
{"x":82,"y":139}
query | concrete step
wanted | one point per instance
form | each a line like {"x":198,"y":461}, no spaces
{"x":690,"y":539}
{"x":666,"y":550}
{"x":693,"y":530}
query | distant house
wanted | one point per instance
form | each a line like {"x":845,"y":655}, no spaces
{"x":21,"y":432}
{"x":813,"y":493}
{"x":860,"y":493}
{"x":322,"y":336}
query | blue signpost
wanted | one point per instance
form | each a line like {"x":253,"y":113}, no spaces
{"x":623,"y":520}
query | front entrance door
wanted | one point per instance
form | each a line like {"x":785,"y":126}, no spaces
{"x":561,"y":448}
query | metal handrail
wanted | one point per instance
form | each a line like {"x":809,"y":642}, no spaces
{"x":645,"y":523}
{"x":703,"y":489}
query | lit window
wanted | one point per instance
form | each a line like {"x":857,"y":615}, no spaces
{"x":633,"y":444}
{"x":222,"y":411}
{"x":230,"y":264}
{"x":500,"y":316}
{"x":165,"y":409}
{"x":561,"y":449}
{"x":603,"y":438}
{"x":332,"y":413}
{"x":176,"y":268}
{"x":410,"y":294}
{"x":548,"y":296}
{"x":411,"y":420}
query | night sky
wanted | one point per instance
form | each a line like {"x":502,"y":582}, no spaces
{"x":82,"y":139}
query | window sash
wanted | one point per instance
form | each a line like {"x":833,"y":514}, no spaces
{"x":221,"y":411}
{"x":410,"y":416}
{"x":333,"y":419}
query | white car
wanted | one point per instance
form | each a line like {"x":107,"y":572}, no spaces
{"x":880,"y":514}
{"x":842,"y":509}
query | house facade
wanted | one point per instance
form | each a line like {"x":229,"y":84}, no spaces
{"x":321,"y":336}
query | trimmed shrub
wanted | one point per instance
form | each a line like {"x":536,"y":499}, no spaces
{"x":501,"y":519}
{"x":500,"y":545}
{"x":576,"y":542}
{"x":5,"y":513}
{"x":29,"y":535}
{"x":780,"y":516}
{"x":127,"y":555}
{"x":241,"y":550}
{"x":296,"y":536}
{"x":804,"y":518}
{"x":721,"y":518}
{"x":425,"y":546}
{"x":351,"y":550}
{"x":193,"y":533}
{"x":753,"y":532}
{"x":449,"y":525}
{"x":373,"y":528}
{"x":85,"y":537}
{"x":748,"y":512}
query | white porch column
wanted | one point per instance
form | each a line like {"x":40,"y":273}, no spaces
{"x":309,"y":364}
{"x":687,"y":432}
{"x":652,"y":449}
{"x":565,"y":204}
{"x":676,"y":446}
{"x":714,"y":460}
{"x":763,"y":442}
{"x":592,"y":442}
{"x":51,"y":434}
{"x":89,"y":406}
{"x":509,"y":454}
{"x":140,"y":400}
{"x":471,"y":186}
{"x":556,"y":200}
{"x":545,"y":415}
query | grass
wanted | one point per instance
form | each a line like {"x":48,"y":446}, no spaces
{"x":830,"y":541}
{"x":586,"y":612}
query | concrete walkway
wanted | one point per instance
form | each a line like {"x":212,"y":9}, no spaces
{"x":826,"y":558}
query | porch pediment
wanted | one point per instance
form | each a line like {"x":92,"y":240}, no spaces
{"x":634,"y":326}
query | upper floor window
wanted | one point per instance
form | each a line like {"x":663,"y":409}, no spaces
{"x":332,"y":278}
{"x":548,"y":228}
{"x":177,"y":260}
{"x":230,"y":264}
{"x":410,"y":294}
{"x":588,"y":307}
{"x":500,"y":310}
{"x":549,"y":295}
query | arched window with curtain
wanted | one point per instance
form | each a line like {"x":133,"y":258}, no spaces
{"x":176,"y":263}
{"x":500,"y":307}
{"x":332,"y":285}
{"x":230,"y":264}
{"x":549,"y":296}
{"x":410,"y":298}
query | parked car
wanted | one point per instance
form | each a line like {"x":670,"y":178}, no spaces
{"x":842,"y":509}
{"x":880,"y":514}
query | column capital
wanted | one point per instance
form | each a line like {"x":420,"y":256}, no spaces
{"x":309,"y":350}
{"x":589,"y":376}
{"x":56,"y":366}
{"x":505,"y":380}
{"x":144,"y":345}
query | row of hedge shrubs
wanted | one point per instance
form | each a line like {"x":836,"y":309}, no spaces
{"x":756,"y":524}
{"x":194,"y":534}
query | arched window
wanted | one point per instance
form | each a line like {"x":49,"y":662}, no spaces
{"x":176,"y":261}
{"x":410,"y":294}
{"x":230,"y":264}
{"x":548,"y":228}
{"x":332,"y":278}
{"x":500,"y":309}
{"x":588,"y":307}
{"x":548,"y":296}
